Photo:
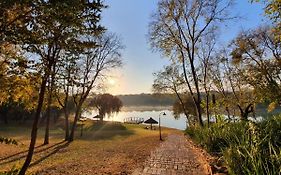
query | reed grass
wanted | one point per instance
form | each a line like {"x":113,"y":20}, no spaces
{"x":246,"y":147}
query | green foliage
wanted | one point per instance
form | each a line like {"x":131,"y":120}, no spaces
{"x":272,"y":10}
{"x":218,"y":136}
{"x":187,"y":107}
{"x":106,"y":104}
{"x":8,"y":140}
{"x":169,"y":80}
{"x":13,"y":171}
{"x":246,"y":147}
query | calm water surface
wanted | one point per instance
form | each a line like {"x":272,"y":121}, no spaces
{"x":168,"y":120}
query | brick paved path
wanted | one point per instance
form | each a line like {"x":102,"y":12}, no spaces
{"x":175,"y":156}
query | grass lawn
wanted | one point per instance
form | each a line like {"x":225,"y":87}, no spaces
{"x":111,"y":148}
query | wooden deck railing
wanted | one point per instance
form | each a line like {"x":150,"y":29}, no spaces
{"x":133,"y":120}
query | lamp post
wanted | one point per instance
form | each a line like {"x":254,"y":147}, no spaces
{"x":163,"y":113}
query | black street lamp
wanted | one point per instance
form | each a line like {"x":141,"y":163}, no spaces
{"x":163,"y":113}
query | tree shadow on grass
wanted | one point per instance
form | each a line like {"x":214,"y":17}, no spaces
{"x":22,"y":154}
{"x":105,"y":131}
{"x":55,"y":150}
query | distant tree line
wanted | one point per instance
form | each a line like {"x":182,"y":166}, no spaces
{"x":148,"y":99}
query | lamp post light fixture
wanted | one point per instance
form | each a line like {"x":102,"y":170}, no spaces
{"x":163,"y":113}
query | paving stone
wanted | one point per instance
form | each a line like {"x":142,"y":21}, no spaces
{"x":174,"y":157}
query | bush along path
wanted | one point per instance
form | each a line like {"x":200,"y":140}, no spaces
{"x":242,"y":147}
{"x":175,"y":156}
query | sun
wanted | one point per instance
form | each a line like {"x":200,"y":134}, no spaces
{"x":111,"y":81}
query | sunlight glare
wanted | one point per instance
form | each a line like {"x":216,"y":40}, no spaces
{"x":111,"y":81}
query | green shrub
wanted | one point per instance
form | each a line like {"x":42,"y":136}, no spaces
{"x":246,"y":147}
{"x":13,"y":171}
{"x":218,"y":136}
{"x":8,"y":141}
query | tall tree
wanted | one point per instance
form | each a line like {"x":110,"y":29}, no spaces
{"x":50,"y":87}
{"x":66,"y":77}
{"x":12,"y":68}
{"x":93,"y":65}
{"x":56,"y":26}
{"x":205,"y":55}
{"x":14,"y":16}
{"x":20,"y":92}
{"x":178,"y":27}
{"x":259,"y":52}
{"x":220,"y":84}
{"x":234,"y":88}
{"x":15,"y":77}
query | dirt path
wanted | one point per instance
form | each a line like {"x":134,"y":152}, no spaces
{"x":175,"y":156}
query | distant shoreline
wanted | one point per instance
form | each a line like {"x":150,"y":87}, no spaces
{"x":145,"y":108}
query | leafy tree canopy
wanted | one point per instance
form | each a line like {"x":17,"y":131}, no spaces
{"x":106,"y":104}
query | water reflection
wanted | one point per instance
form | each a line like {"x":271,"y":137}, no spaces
{"x":168,"y":120}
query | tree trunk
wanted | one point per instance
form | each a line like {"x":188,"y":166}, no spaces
{"x":84,"y":95}
{"x":183,"y":105}
{"x":65,"y":108}
{"x":48,"y":112}
{"x":233,"y":116}
{"x":245,"y":113}
{"x":199,"y":112}
{"x":66,"y":115}
{"x":101,"y":118}
{"x":241,"y":112}
{"x":228,"y":113}
{"x":198,"y":100}
{"x":207,"y":109}
{"x":77,"y":115}
{"x":34,"y":127}
{"x":196,"y":83}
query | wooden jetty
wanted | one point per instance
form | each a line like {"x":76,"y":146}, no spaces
{"x":133,"y":120}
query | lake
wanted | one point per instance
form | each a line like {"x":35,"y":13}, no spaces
{"x":151,"y":111}
{"x":168,"y":120}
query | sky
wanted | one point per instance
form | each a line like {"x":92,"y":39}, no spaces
{"x":129,"y":19}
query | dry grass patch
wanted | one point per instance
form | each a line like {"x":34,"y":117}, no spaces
{"x":110,"y":148}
